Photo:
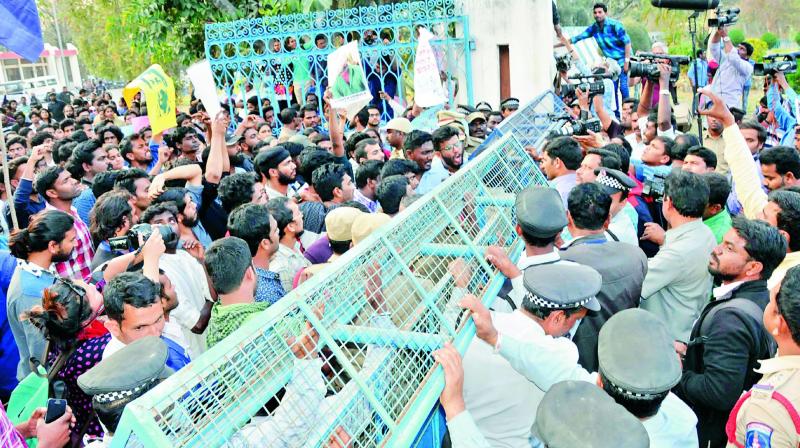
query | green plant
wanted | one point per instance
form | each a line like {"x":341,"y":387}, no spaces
{"x":736,"y":35}
{"x":794,"y":81}
{"x":759,"y":49}
{"x":640,"y":40}
{"x":771,"y":39}
{"x":797,"y":38}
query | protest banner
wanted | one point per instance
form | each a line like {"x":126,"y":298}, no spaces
{"x":159,"y":93}
{"x":204,"y":89}
{"x":348,"y":81}
{"x":140,"y":123}
{"x":427,"y":120}
{"x":428,"y":89}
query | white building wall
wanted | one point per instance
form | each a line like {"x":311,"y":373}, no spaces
{"x":526,"y":26}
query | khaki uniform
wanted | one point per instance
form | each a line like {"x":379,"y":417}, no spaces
{"x":762,"y":420}
{"x":397,"y":154}
{"x":717,"y":144}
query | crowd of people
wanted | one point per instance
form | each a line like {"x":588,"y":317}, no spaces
{"x":657,"y":272}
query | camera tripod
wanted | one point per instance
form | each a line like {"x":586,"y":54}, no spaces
{"x":693,"y":33}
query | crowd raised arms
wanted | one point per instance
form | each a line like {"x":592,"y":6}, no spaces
{"x":657,"y":294}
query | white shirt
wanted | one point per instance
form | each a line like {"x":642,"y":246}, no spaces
{"x":547,"y":361}
{"x":189,"y":279}
{"x":502,"y":402}
{"x":724,"y":290}
{"x":517,"y":292}
{"x":674,"y":426}
{"x":623,"y":229}
{"x":114,"y":345}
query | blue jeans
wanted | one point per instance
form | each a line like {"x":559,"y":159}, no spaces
{"x":621,"y":86}
{"x":745,"y":97}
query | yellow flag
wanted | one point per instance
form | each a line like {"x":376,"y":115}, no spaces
{"x":159,"y":92}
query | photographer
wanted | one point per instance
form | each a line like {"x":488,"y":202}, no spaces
{"x":786,"y":121}
{"x":662,"y":127}
{"x":734,"y":69}
{"x":185,"y":270}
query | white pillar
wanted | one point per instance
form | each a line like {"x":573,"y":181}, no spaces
{"x":526,"y":26}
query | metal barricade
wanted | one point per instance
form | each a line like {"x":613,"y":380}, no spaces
{"x":379,"y":311}
{"x":533,"y":122}
{"x":286,"y":56}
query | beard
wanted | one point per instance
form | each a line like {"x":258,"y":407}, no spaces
{"x":61,"y":257}
{"x":190,"y":222}
{"x":717,"y":273}
{"x":284,"y":179}
{"x":450,"y":162}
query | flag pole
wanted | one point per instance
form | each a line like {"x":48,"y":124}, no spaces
{"x":6,"y":177}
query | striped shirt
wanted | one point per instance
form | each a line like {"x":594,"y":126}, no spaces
{"x":9,"y":436}
{"x":611,"y":37}
{"x":78,"y":267}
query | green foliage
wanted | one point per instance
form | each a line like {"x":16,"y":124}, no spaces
{"x":119,"y":40}
{"x":771,"y":40}
{"x":736,"y":35}
{"x":682,"y":49}
{"x":759,"y":49}
{"x":794,"y":81}
{"x":640,"y":40}
{"x":797,"y":38}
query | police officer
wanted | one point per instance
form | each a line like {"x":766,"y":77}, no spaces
{"x":638,"y":367}
{"x":484,"y":108}
{"x":767,"y":415}
{"x":624,"y":218}
{"x":600,"y":422}
{"x":508,"y":106}
{"x":502,"y":402}
{"x":540,"y":218}
{"x":114,"y":382}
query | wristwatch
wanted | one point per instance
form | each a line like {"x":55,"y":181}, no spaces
{"x":726,"y":39}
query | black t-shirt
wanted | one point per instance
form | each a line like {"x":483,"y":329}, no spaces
{"x":211,"y":213}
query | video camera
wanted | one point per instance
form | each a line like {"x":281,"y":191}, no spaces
{"x":131,"y":240}
{"x":570,"y":126}
{"x":593,"y":84}
{"x":774,"y":63}
{"x":725,"y":17}
{"x":563,"y":62}
{"x":644,"y":65}
{"x":654,"y":188}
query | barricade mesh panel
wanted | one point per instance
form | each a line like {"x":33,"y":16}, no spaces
{"x":369,"y":323}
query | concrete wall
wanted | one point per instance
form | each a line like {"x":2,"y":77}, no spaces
{"x":526,"y":26}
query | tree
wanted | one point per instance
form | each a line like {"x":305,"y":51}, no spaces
{"x":121,"y":39}
{"x":736,"y":35}
{"x":640,"y":40}
{"x":797,"y":38}
{"x":770,"y":39}
{"x":759,"y":49}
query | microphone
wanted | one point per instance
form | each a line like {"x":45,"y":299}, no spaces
{"x":694,"y":5}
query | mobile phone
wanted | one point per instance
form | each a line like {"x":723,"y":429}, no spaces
{"x":55,"y":409}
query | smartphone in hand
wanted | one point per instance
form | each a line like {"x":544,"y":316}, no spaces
{"x":55,"y":409}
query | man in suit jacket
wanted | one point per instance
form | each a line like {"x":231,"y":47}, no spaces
{"x":729,"y":336}
{"x":621,"y":265}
